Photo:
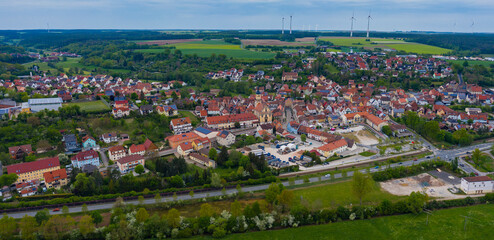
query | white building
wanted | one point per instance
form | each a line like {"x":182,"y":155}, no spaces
{"x":39,"y":104}
{"x":225,"y":138}
{"x":477,"y":185}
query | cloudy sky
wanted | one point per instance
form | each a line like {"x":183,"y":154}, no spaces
{"x":388,"y":15}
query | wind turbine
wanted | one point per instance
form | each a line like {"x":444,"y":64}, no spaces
{"x":351,"y":28}
{"x":283,"y":25}
{"x":471,"y":26}
{"x":290,"y":24}
{"x":368,"y":23}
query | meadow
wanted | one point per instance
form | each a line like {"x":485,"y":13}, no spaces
{"x":91,"y":107}
{"x":473,"y":62}
{"x":396,"y":44}
{"x":443,"y":224}
{"x":206,"y":48}
{"x":334,"y":195}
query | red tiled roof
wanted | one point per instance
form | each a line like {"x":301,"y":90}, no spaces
{"x":231,"y":118}
{"x":116,"y":148}
{"x":82,"y":156}
{"x":25,"y":148}
{"x":33,"y":166}
{"x":130,"y":158}
{"x":55,"y":175}
{"x":180,"y":121}
{"x":478,"y":179}
{"x":181,"y":137}
{"x":137,"y":148}
{"x":333,"y":145}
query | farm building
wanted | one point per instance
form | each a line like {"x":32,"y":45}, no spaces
{"x":40,"y":104}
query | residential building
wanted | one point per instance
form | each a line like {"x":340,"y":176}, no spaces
{"x":332,"y":148}
{"x":185,"y":148}
{"x":81,"y":159}
{"x":200,"y":143}
{"x":146,"y":109}
{"x":70,"y":142}
{"x":137,"y":149}
{"x":176,"y":140}
{"x":225,"y":138}
{"x":167,"y":110}
{"x":116,"y":152}
{"x":150,"y":146}
{"x":56,"y":179}
{"x":477,"y":185}
{"x":202,"y":160}
{"x":88,"y":142}
{"x":127,"y":164}
{"x":18,"y":152}
{"x":181,"y":125}
{"x":206,"y":132}
{"x":109,"y":137}
{"x":289,"y":76}
{"x":33,"y":170}
{"x":228,"y":121}
{"x":40,"y":104}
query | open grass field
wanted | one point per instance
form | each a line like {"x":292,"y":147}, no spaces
{"x":194,"y":120}
{"x":334,"y":195}
{"x":70,"y":63}
{"x":443,"y":224}
{"x":166,"y":42}
{"x":206,"y":48}
{"x":398,"y":45}
{"x":91,"y":107}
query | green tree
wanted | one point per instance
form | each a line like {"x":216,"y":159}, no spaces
{"x":8,"y":179}
{"x":157,"y":198}
{"x":57,"y":227}
{"x":97,"y":218}
{"x":387,"y":130}
{"x":28,"y":228}
{"x":140,"y":199}
{"x":213,"y":153}
{"x":236,"y":208}
{"x":272,"y":193}
{"x":8,"y":227}
{"x":139,"y":169}
{"x":285,"y":199}
{"x":65,"y":210}
{"x":416,"y":202}
{"x":191,"y":194}
{"x":86,"y":225}
{"x":173,"y":218}
{"x":142,"y":215}
{"x":42,"y":216}
{"x":362,"y":184}
{"x":215,"y":180}
{"x":84,"y":208}
{"x":223,"y":156}
{"x":303,"y":137}
{"x":237,"y":125}
{"x":206,"y":210}
{"x":478,"y":157}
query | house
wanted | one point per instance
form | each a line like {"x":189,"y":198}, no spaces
{"x":477,"y":185}
{"x":56,"y":179}
{"x":40,"y":104}
{"x":167,"y":110}
{"x":116,"y":152}
{"x":127,"y":164}
{"x":150,"y":146}
{"x":202,"y":160}
{"x":85,"y":158}
{"x":70,"y":142}
{"x":137,"y":149}
{"x":33,"y":170}
{"x":228,"y":121}
{"x":333,"y":148}
{"x":18,"y":152}
{"x":176,"y":140}
{"x":120,"y":112}
{"x":185,"y":148}
{"x":146,"y":109}
{"x":206,"y":132}
{"x":289,"y":76}
{"x":225,"y":138}
{"x":109,"y":137}
{"x":181,"y":125}
{"x":88,"y":142}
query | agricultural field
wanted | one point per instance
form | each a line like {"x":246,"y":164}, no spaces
{"x":70,"y":63}
{"x":91,"y":107}
{"x":398,"y":45}
{"x":336,"y":194}
{"x":276,"y":42}
{"x":166,"y":42}
{"x":443,"y":224}
{"x":206,"y":48}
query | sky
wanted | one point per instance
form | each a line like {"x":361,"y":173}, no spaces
{"x":387,"y":15}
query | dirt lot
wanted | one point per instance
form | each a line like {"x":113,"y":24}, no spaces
{"x":360,"y":135}
{"x":166,"y":42}
{"x":424,"y":182}
{"x":275,"y":42}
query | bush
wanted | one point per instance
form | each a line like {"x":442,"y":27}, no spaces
{"x":219,"y":232}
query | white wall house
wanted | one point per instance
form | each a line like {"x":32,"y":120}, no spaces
{"x":477,"y":185}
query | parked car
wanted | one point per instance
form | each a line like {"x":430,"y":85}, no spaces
{"x":56,"y":210}
{"x":327,"y":175}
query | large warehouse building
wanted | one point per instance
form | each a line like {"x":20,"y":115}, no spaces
{"x":40,"y":104}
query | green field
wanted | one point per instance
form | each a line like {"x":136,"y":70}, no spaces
{"x":193,"y":119}
{"x":443,"y":224}
{"x":92,"y":107}
{"x":70,"y":63}
{"x":206,"y":48}
{"x":333,"y":195}
{"x":399,"y":45}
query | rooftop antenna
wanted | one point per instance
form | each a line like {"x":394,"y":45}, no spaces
{"x":368,"y":23}
{"x":351,"y":27}
{"x":282,"y":25}
{"x":290,"y":24}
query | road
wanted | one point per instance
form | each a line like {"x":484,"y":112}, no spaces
{"x":447,"y":155}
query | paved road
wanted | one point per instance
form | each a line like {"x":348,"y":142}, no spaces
{"x":104,"y":158}
{"x":447,"y":155}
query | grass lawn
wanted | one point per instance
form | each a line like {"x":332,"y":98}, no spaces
{"x":443,"y":224}
{"x":487,"y":166}
{"x":194,"y":120}
{"x":92,"y":107}
{"x":206,"y":48}
{"x":419,"y":48}
{"x":333,"y":195}
{"x":367,"y":154}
